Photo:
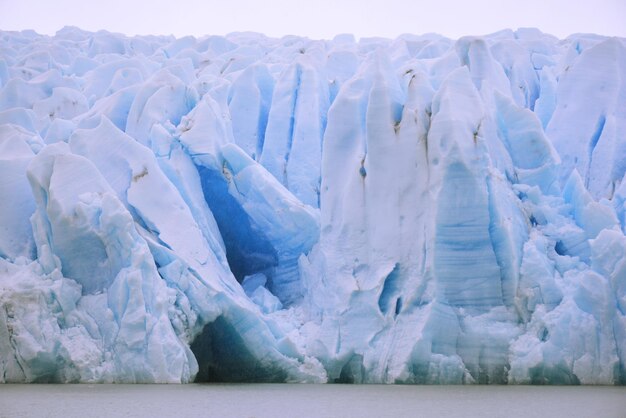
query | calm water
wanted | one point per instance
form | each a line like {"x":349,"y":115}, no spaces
{"x":303,"y":401}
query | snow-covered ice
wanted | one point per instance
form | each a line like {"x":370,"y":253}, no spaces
{"x":242,"y":208}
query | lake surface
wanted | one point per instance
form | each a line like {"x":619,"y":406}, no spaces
{"x":292,"y":400}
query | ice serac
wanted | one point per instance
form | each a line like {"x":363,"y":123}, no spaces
{"x":83,"y":231}
{"x":292,"y":144}
{"x":249,"y":104}
{"x":15,"y":155}
{"x":464,"y":259}
{"x":587,"y":133}
{"x":242,"y":208}
{"x":190,"y":256}
{"x":163,"y":98}
{"x":290,"y":227}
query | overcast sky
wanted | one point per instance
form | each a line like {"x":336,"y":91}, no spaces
{"x":316,"y":19}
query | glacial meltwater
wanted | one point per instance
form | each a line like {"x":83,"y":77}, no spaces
{"x":301,"y":401}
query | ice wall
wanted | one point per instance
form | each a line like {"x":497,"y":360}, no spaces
{"x":241,"y":208}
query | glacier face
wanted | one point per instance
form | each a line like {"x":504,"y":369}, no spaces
{"x":241,"y":208}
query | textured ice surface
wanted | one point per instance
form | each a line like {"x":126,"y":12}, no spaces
{"x":241,"y":208}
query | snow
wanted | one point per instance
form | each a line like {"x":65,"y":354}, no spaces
{"x":242,"y":208}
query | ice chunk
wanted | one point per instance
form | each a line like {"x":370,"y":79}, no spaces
{"x":254,"y":286}
{"x":590,"y":215}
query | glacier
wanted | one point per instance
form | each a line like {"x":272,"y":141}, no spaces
{"x":248,"y":209}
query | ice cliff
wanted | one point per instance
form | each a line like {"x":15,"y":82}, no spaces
{"x":241,"y":208}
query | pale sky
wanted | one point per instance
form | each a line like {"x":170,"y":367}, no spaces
{"x":319,"y":19}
